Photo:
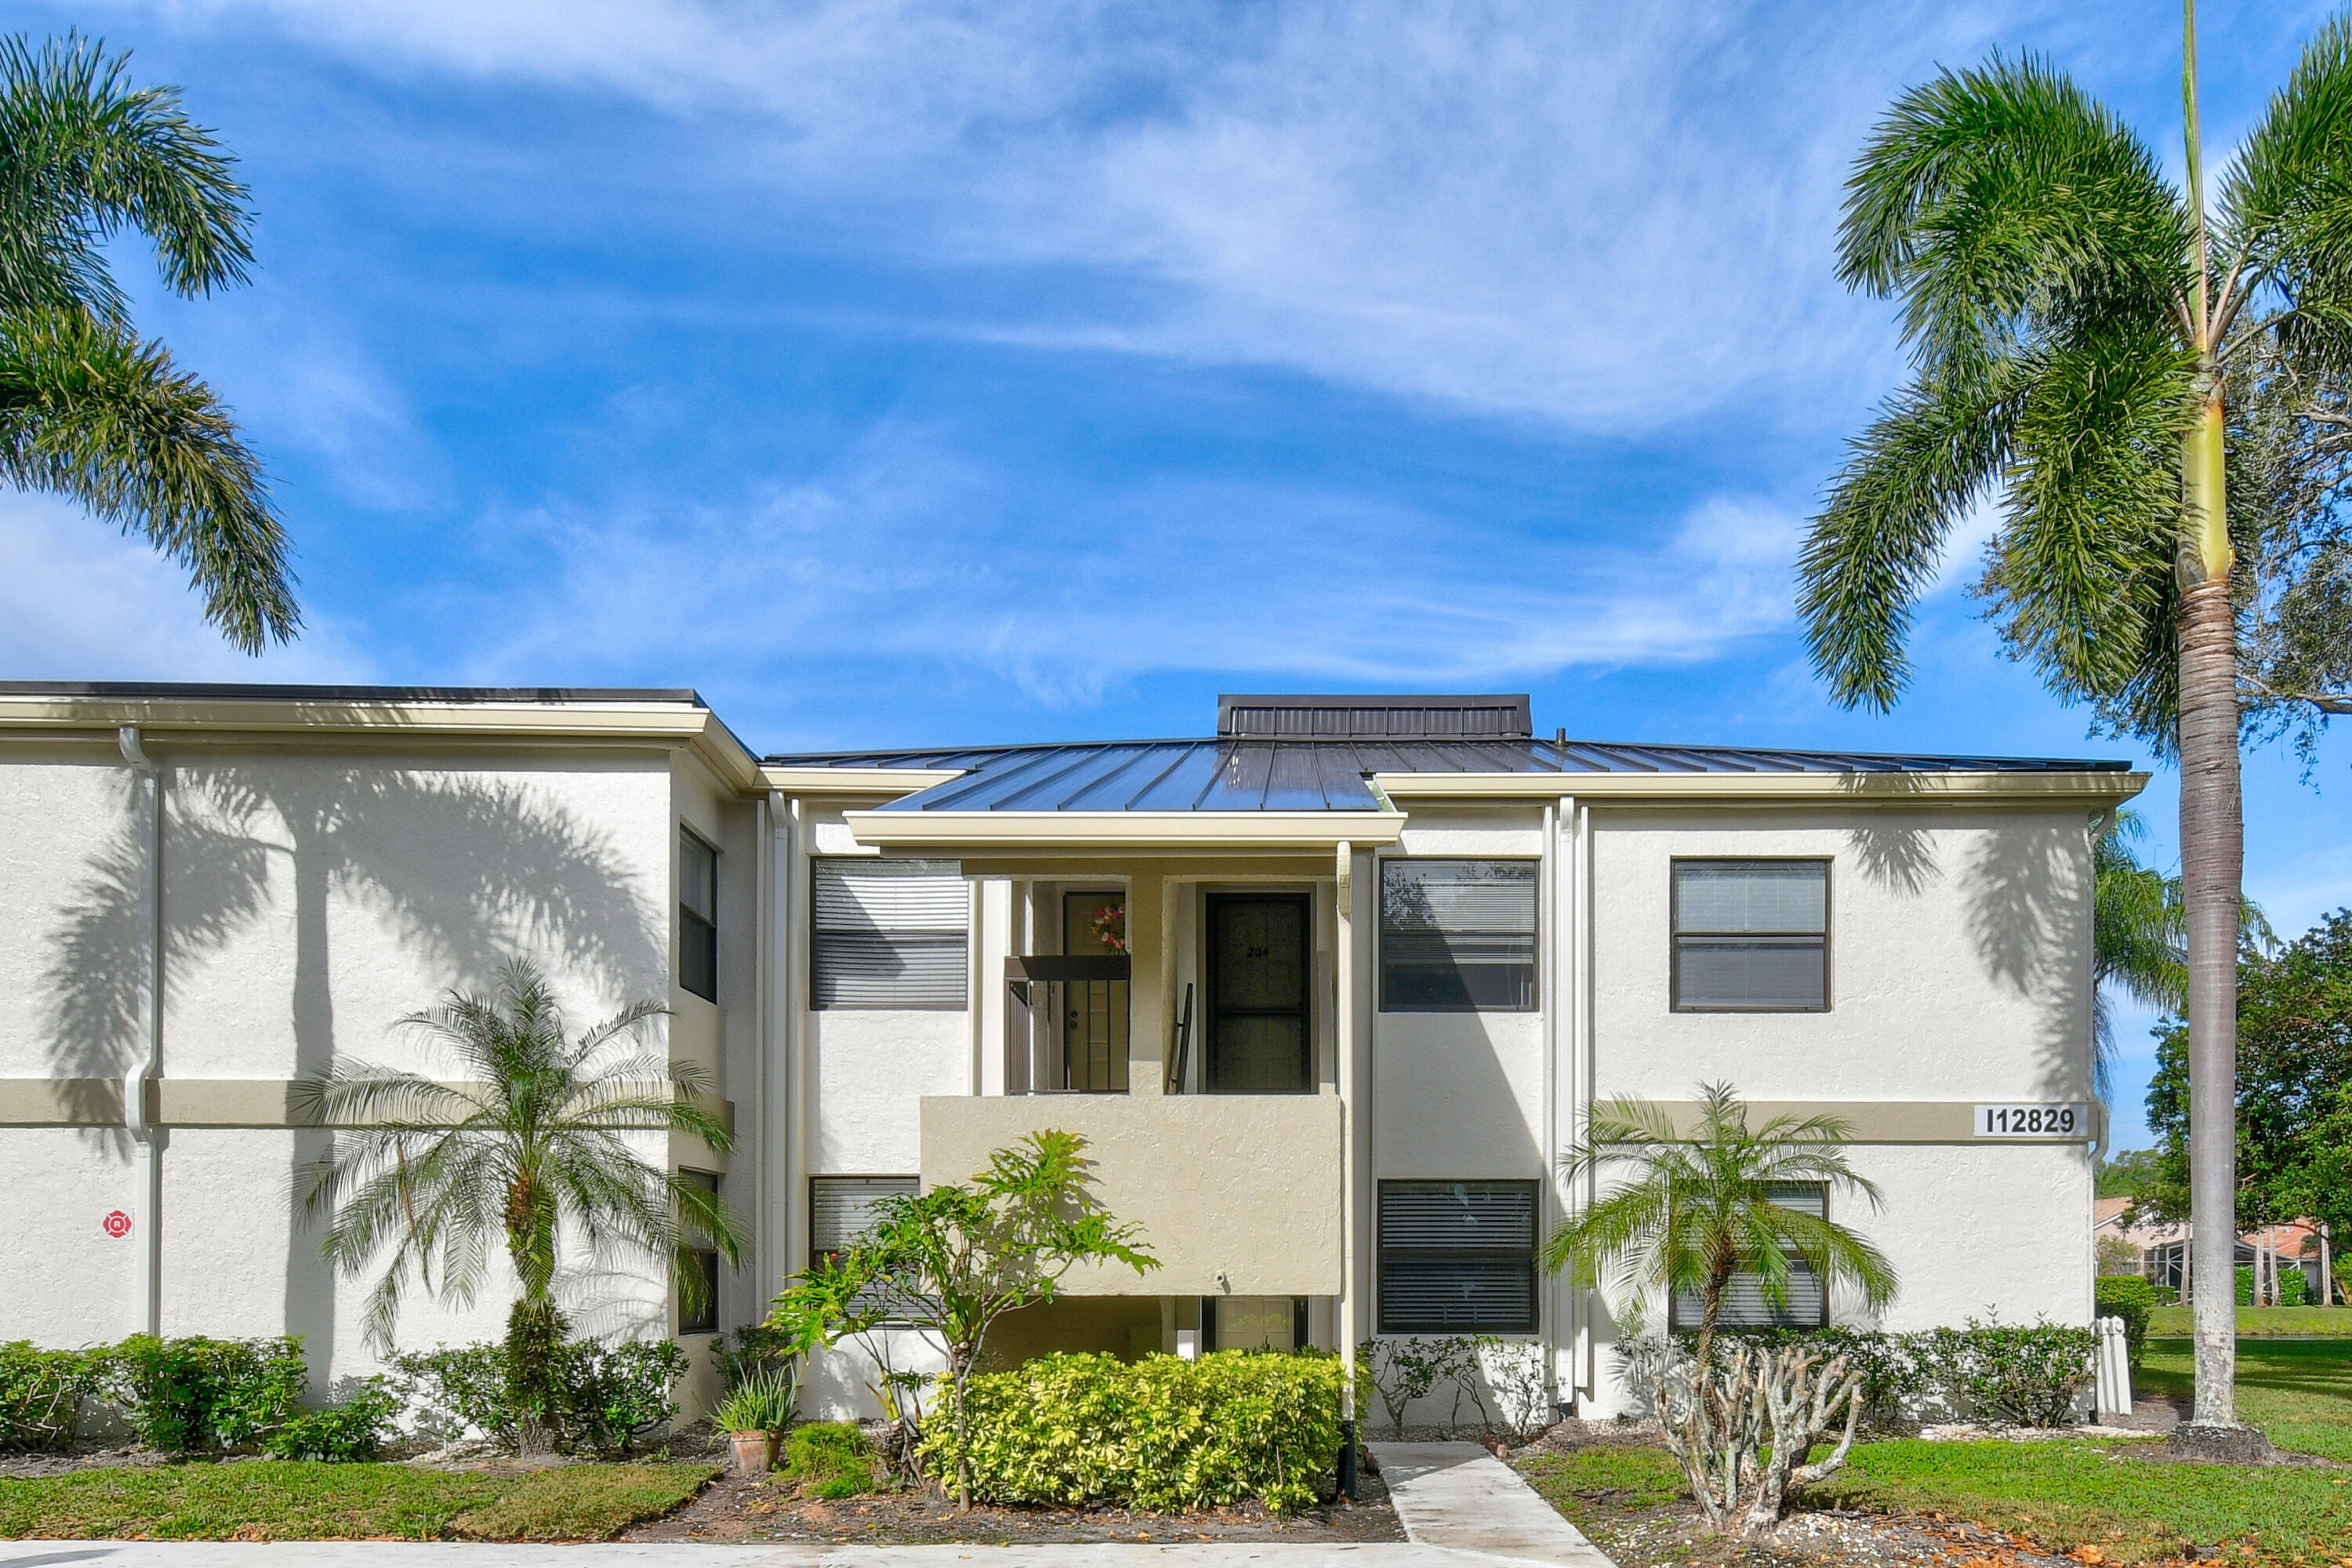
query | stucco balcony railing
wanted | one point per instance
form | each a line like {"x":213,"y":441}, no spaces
{"x":1237,"y":1193}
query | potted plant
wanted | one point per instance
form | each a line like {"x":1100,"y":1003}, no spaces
{"x":754,"y":1415}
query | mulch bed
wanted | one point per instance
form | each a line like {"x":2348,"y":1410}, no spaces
{"x":744,"y":1509}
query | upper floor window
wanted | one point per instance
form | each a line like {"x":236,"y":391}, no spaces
{"x":1751,"y":936}
{"x":697,"y":916}
{"x":890,"y":933}
{"x":1803,"y":1303}
{"x":1457,"y":936}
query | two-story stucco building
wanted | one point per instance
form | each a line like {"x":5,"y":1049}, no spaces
{"x":1329,"y":990}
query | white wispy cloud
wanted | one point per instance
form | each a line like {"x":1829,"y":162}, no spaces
{"x":79,"y":602}
{"x":1605,"y":214}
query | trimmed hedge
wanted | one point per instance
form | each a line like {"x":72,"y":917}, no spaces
{"x":607,"y":1395}
{"x":1159,"y":1433}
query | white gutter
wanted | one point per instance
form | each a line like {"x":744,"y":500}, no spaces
{"x":147,"y":1141}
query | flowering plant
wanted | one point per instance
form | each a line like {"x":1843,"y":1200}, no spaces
{"x":1110,"y":926}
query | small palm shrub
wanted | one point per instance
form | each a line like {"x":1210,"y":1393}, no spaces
{"x":764,"y":1401}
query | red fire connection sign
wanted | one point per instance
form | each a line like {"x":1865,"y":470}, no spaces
{"x":116,"y":1225}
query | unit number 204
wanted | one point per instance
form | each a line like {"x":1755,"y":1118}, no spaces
{"x":2032,"y":1121}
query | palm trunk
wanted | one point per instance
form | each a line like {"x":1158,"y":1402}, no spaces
{"x":2213,"y":851}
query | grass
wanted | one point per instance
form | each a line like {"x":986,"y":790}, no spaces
{"x":2299,"y":1390}
{"x":284,"y":1501}
{"x":2067,"y":1496}
{"x":2063,"y":1496}
{"x":2261,"y":1323}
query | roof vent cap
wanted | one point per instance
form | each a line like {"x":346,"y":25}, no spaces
{"x":1351,"y":716}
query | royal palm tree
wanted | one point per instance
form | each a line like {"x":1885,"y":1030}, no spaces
{"x":1690,"y":1211}
{"x":530,"y":1146}
{"x":2073,"y":316}
{"x":89,"y":409}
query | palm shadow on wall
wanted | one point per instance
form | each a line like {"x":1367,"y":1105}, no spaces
{"x":465,"y":872}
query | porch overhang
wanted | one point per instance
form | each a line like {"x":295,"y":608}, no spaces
{"x":980,"y":833}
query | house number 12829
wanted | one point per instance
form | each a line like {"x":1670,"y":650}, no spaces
{"x":2033,"y":1121}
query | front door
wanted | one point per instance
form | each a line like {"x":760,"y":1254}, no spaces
{"x":1257,"y":1040}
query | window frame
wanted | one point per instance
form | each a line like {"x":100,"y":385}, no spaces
{"x":817,"y":935}
{"x":1381,"y":1251}
{"x":1675,"y":1324}
{"x":1535,"y":1003}
{"x":705,"y":1259}
{"x":688,"y":918}
{"x":1674,"y":933}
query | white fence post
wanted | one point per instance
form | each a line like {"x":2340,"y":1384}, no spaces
{"x":2114,"y":1364}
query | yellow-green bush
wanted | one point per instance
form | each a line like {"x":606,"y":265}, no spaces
{"x":1161,"y":1434}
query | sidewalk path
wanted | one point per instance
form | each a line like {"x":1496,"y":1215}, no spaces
{"x":689,"y":1554}
{"x":1459,"y":1495}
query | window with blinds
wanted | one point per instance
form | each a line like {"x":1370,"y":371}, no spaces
{"x":1751,"y":936}
{"x":697,"y":916}
{"x":1745,"y":1305}
{"x":888,"y":933}
{"x":842,"y":1208}
{"x":1457,"y":936}
{"x":1458,"y":1257}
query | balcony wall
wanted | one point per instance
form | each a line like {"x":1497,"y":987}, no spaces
{"x":1245,"y":1186}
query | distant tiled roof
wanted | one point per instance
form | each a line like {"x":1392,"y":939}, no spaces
{"x":1328,"y":774}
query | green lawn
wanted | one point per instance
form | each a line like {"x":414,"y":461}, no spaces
{"x":280,"y":1500}
{"x":2063,"y":1496}
{"x":2261,"y":1323}
{"x":2299,"y":1390}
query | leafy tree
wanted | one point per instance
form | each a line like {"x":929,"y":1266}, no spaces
{"x":951,"y":1262}
{"x":2127,"y":1174}
{"x":89,"y":409}
{"x":2295,"y":1088}
{"x":531,"y":1147}
{"x":2074,"y":320}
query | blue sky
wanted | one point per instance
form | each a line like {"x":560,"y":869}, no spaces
{"x":917,"y":373}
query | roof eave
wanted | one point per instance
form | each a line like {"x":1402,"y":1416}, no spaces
{"x":1846,"y":788}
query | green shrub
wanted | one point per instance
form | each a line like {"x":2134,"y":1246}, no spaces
{"x":2292,"y":1284}
{"x":748,"y":1351}
{"x":1160,"y":1433}
{"x":354,"y":1430}
{"x":762,"y":1403}
{"x":605,"y":1395}
{"x":2018,"y":1374}
{"x":195,"y":1394}
{"x":2245,"y":1285}
{"x":1894,"y":1381}
{"x":832,"y":1456}
{"x":41,"y":1394}
{"x":2132,"y":1299}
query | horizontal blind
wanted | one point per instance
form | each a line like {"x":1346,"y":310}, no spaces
{"x":1457,"y":935}
{"x":1457,"y":1256}
{"x":841,"y":1208}
{"x":1740,"y":896}
{"x":1745,"y":1305}
{"x":890,"y":933}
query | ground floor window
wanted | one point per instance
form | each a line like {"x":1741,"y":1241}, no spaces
{"x":697,"y":1307}
{"x":1458,"y":1257}
{"x":841,"y":1208}
{"x":1744,"y":1304}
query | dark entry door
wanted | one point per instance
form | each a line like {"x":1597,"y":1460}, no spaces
{"x":1258,"y":1041}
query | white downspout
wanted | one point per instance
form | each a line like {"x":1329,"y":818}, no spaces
{"x":1344,"y":976}
{"x":146,"y":1140}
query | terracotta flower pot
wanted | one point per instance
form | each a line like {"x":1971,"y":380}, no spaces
{"x":755,"y":1452}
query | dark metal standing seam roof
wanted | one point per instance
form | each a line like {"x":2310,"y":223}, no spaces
{"x":1328,"y":776}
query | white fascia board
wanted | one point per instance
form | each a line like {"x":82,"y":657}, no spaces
{"x":819,"y":781}
{"x":1091,"y":832}
{"x":229,"y":719}
{"x":2099,"y":789}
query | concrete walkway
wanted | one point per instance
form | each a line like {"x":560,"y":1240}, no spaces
{"x":1460,"y":1497}
{"x":689,"y":1554}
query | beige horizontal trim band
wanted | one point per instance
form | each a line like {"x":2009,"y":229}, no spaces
{"x":1888,"y":789}
{"x":670,"y":724}
{"x":893,"y":782}
{"x":1097,"y":832}
{"x":173,"y":1102}
{"x":1878,"y":1121}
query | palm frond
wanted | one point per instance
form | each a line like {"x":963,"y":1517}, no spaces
{"x":2284,"y":205}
